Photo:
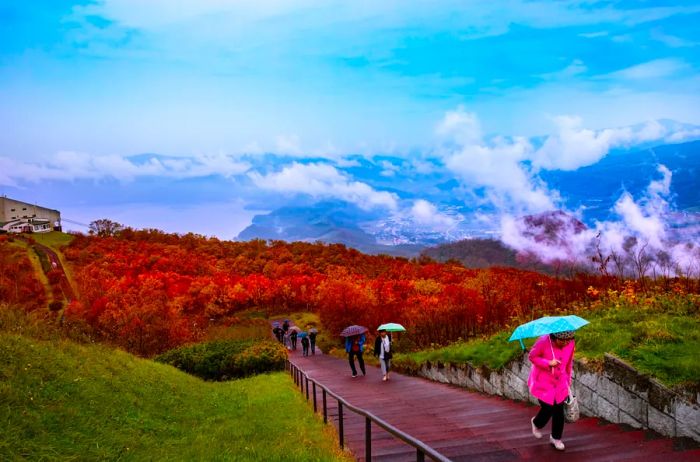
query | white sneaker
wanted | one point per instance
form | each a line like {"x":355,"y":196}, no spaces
{"x":384,"y":378}
{"x":556,"y":443}
{"x":535,"y":431}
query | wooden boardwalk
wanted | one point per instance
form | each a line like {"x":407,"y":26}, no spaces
{"x":468,"y":426}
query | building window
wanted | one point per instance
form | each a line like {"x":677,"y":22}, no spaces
{"x":12,"y":210}
{"x":24,"y":208}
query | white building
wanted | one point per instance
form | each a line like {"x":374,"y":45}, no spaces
{"x":22,"y":217}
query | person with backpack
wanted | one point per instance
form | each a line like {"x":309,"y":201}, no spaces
{"x":382,"y":350}
{"x":354,"y":346}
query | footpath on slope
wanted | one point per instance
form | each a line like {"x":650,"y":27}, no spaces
{"x":465,"y":425}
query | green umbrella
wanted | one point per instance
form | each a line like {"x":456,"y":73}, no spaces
{"x":392,"y":327}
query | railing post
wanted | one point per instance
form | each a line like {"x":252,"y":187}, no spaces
{"x":340,"y":423}
{"x":315,"y":407}
{"x":420,"y":456}
{"x":325,"y":408}
{"x":307,"y":388}
{"x":368,"y":439}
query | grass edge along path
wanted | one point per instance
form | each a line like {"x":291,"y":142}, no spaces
{"x":63,"y":401}
{"x":661,"y":339}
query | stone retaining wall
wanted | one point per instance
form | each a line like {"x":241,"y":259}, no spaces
{"x":616,"y":392}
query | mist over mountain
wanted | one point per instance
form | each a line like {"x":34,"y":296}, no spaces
{"x":591,"y":192}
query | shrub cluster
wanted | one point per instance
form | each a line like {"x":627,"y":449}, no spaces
{"x":227,"y":359}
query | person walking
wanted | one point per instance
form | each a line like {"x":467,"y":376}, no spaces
{"x":305,"y":345}
{"x":293,"y":337}
{"x":552,"y":358}
{"x":312,"y":338}
{"x":354,"y":346}
{"x":382,"y":349}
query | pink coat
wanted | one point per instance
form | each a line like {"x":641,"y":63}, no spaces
{"x":550,"y":384}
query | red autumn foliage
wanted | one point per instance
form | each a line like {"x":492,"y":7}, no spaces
{"x":18,"y":283}
{"x":149,"y":291}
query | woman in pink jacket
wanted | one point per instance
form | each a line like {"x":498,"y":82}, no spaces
{"x":552,"y":358}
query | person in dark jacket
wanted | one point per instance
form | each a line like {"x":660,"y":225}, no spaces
{"x":305,"y":345}
{"x":293,"y":338}
{"x":312,"y":338}
{"x":354,"y":346}
{"x":278,"y":333}
{"x":382,"y":350}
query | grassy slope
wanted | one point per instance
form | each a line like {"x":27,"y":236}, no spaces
{"x":64,"y":401}
{"x":56,"y":240}
{"x":662,"y":341}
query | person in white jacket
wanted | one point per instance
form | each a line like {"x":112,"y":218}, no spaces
{"x":382,"y":349}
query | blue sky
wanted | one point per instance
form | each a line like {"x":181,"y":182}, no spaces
{"x":225,"y":95}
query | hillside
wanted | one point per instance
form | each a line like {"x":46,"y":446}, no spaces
{"x":483,"y":253}
{"x":64,"y":401}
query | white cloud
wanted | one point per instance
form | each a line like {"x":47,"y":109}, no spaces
{"x":684,"y":134}
{"x":288,"y":145}
{"x":656,"y":69}
{"x":496,"y":165}
{"x":460,"y":126}
{"x":576,"y":67}
{"x":594,"y":34}
{"x":389,"y":169}
{"x":574,"y":147}
{"x":639,"y":222}
{"x":324,"y":181}
{"x":426,"y":214}
{"x":70,"y":166}
{"x":671,"y":40}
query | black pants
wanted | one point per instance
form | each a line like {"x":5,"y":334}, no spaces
{"x":556,"y":413}
{"x":305,"y":349}
{"x":351,"y":360}
{"x":294,"y":343}
{"x":313,"y":346}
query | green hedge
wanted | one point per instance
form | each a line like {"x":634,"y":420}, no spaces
{"x":227,"y":359}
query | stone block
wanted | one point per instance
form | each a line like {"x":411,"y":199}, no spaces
{"x":607,"y":410}
{"x":608,"y":390}
{"x":496,"y":381}
{"x":632,"y":404}
{"x":586,"y":397}
{"x":688,"y":420}
{"x":625,"y":418}
{"x":588,"y":379}
{"x":661,"y":422}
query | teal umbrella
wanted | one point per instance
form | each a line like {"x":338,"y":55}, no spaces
{"x":392,"y":327}
{"x":546,"y":325}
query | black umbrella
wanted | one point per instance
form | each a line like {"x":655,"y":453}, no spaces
{"x":353,"y":330}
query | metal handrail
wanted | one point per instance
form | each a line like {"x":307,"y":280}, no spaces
{"x":302,"y":380}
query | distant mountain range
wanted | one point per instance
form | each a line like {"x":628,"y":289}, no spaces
{"x":593,"y":189}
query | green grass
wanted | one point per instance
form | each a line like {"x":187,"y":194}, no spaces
{"x":64,"y":401}
{"x":661,"y":339}
{"x":54,"y":239}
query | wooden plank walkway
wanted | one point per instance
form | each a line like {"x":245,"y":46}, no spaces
{"x":465,"y":425}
